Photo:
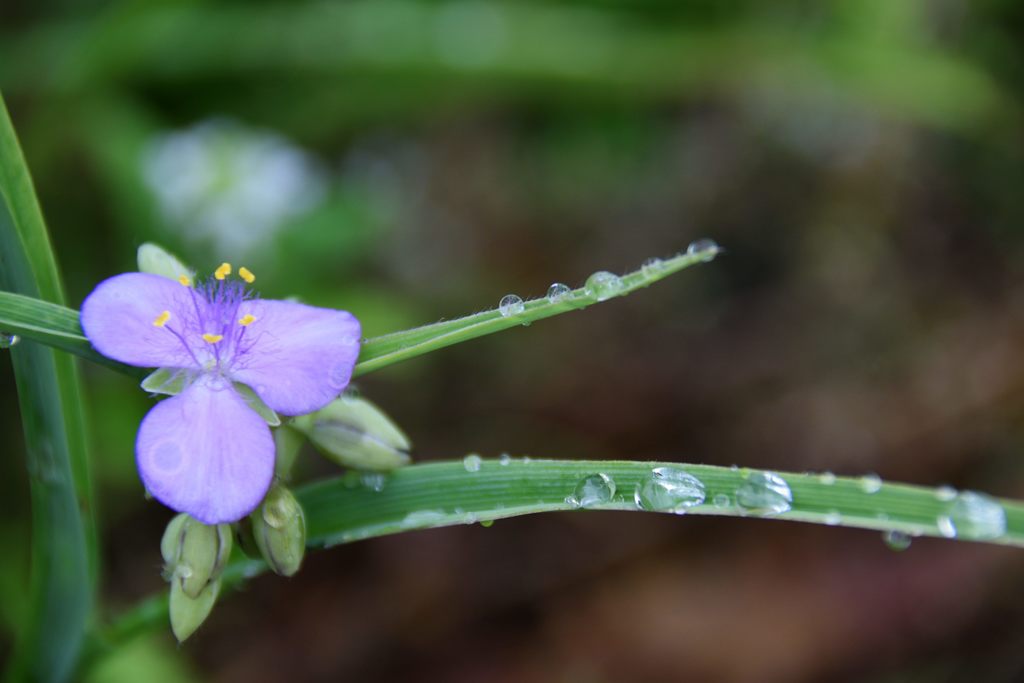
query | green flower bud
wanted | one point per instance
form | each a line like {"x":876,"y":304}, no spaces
{"x":158,"y":261}
{"x":194,"y":553}
{"x":353,"y":432}
{"x":287,"y":443}
{"x":279,"y":527}
{"x":188,"y":613}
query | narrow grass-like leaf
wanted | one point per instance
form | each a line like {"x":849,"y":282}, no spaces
{"x":63,"y":534}
{"x":476,"y":490}
{"x":381,"y":351}
{"x":59,"y":327}
{"x":446,"y":493}
{"x":53,"y":325}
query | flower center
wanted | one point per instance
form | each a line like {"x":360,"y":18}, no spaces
{"x":213,"y":332}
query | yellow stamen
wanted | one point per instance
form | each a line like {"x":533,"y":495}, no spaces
{"x":185,"y":280}
{"x":212,"y":338}
{"x":223,"y":271}
{"x":162,"y":319}
{"x":246,"y":275}
{"x":247,"y":319}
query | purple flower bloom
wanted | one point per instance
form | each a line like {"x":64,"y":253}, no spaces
{"x":205,"y":451}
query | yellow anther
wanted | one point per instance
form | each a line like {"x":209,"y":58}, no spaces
{"x":247,"y":319}
{"x":222,"y":271}
{"x":212,"y":338}
{"x":246,"y":275}
{"x":185,"y":280}
{"x":162,"y":319}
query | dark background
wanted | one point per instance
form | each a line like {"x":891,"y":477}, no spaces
{"x":861,"y":161}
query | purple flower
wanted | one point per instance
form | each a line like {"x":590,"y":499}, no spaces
{"x":205,"y":451}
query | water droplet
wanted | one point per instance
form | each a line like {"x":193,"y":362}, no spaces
{"x":422,"y":518}
{"x":592,"y":490}
{"x":373,"y":481}
{"x":505,"y":459}
{"x":603,"y":285}
{"x":945,"y":493}
{"x":833,"y":518}
{"x":276,"y":514}
{"x":946,"y":526}
{"x":487,"y":523}
{"x":511,"y":304}
{"x":8,"y":340}
{"x":166,"y":456}
{"x":558,"y":293}
{"x":705,"y":249}
{"x":721,"y":500}
{"x":669,"y":489}
{"x":973,"y":515}
{"x":827,"y":478}
{"x":870,"y":483}
{"x":471,"y":462}
{"x":765,"y":493}
{"x":896,"y":540}
{"x":652,"y":267}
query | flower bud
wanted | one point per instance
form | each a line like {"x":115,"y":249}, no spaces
{"x":194,"y":553}
{"x":353,"y":432}
{"x":187,"y":612}
{"x":279,"y":527}
{"x":158,"y":261}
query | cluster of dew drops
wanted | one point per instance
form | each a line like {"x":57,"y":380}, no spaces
{"x":962,"y":514}
{"x":603,"y":285}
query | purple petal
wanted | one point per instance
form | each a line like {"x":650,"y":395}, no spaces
{"x":296,"y":357}
{"x":118,"y":319}
{"x":205,"y":452}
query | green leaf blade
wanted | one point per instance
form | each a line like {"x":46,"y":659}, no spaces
{"x":64,"y":548}
{"x":385,"y":350}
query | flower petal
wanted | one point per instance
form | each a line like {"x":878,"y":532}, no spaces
{"x":118,"y":319}
{"x":205,"y":452}
{"x":298,"y":358}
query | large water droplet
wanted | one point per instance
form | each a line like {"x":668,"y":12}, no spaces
{"x":896,"y":540}
{"x":558,"y":293}
{"x":603,"y":285}
{"x":765,"y":493}
{"x":870,"y":483}
{"x":504,"y":459}
{"x":973,"y":515}
{"x":652,"y":267}
{"x":721,"y":500}
{"x":669,"y":489}
{"x":592,"y":490}
{"x":8,"y":340}
{"x":471,"y":462}
{"x":511,"y":304}
{"x":705,"y":249}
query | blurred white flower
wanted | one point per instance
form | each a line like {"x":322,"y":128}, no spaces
{"x":231,"y":186}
